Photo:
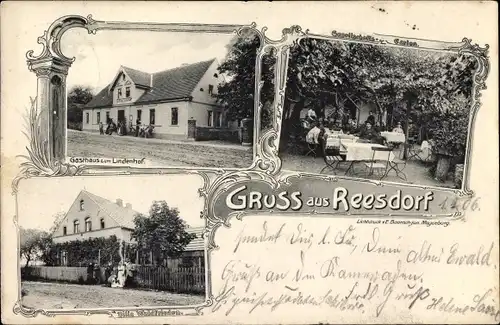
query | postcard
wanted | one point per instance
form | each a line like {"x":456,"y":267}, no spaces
{"x":250,"y":163}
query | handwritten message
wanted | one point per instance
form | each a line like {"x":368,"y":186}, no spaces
{"x":358,"y":268}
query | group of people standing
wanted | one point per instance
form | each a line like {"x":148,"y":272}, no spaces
{"x":118,"y":276}
{"x":121,"y":128}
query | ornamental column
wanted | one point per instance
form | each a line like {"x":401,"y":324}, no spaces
{"x":51,"y":102}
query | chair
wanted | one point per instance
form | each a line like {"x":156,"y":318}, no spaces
{"x":332,"y":157}
{"x":311,"y":149}
{"x":396,"y":164}
{"x":376,"y":163}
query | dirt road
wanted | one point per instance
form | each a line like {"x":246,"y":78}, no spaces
{"x":167,"y":153}
{"x":69,"y":296}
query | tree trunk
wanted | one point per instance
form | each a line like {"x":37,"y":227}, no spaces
{"x":442,"y":168}
{"x":459,"y":174}
{"x":287,"y":123}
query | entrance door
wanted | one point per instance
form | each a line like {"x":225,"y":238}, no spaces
{"x":121,"y":116}
{"x":191,"y":129}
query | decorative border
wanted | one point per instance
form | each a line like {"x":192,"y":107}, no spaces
{"x":188,"y":310}
{"x":266,"y":164}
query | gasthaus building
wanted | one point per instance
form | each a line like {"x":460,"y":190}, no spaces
{"x":174,"y":101}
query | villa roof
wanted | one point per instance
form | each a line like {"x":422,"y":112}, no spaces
{"x":177,"y":83}
{"x":124,"y":217}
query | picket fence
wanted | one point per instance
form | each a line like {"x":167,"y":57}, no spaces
{"x":181,"y":280}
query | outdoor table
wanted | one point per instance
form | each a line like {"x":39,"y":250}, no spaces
{"x":359,"y":152}
{"x":394,"y":137}
{"x":335,"y":140}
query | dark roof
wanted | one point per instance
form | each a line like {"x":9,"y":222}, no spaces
{"x":177,"y":83}
{"x":138,"y":77}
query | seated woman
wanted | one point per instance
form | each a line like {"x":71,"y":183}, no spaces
{"x":398,"y":128}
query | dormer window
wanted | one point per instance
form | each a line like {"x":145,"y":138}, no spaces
{"x":119,"y":93}
{"x":82,"y":205}
{"x":210,"y":89}
{"x":127,"y":92}
{"x":88,"y":224}
{"x":76,"y":226}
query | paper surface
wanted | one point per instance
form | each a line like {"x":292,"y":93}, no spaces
{"x":205,"y":205}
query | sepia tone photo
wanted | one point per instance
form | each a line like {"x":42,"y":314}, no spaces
{"x":397,"y":114}
{"x":178,"y":99}
{"x":96,"y":246}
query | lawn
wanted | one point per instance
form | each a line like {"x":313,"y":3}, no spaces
{"x":69,"y":296}
{"x":163,"y":152}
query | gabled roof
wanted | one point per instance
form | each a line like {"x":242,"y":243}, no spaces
{"x":123,"y":215}
{"x":178,"y":83}
{"x":138,"y":77}
{"x":197,"y":244}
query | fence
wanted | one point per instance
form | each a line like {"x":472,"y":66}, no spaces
{"x":55,"y":273}
{"x":182,"y":280}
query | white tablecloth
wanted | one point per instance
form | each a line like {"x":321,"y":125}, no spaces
{"x":336,"y":140}
{"x":395,"y":137}
{"x":363,"y":151}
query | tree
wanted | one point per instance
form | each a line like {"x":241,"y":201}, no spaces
{"x":34,"y":244}
{"x":237,"y":93}
{"x":162,"y":232}
{"x":78,"y":96}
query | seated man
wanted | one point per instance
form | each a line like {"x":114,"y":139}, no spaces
{"x":369,"y":133}
{"x":311,"y":115}
{"x":313,"y":135}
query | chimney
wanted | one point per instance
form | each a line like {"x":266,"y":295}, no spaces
{"x":119,"y":202}
{"x":128,"y":206}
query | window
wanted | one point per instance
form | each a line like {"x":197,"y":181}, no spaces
{"x":107,"y":117}
{"x":98,"y":117}
{"x":76,"y":226}
{"x":175,"y":116}
{"x":87,"y":118}
{"x":102,"y":223}
{"x":218,"y":119}
{"x":127,"y":92}
{"x":123,"y":76}
{"x":139,"y":115}
{"x":65,"y":231}
{"x":210,"y":116}
{"x":210,"y":89}
{"x":216,"y":75}
{"x":82,"y":205}
{"x":119,"y":93}
{"x":152,"y":116}
{"x":88,"y":224}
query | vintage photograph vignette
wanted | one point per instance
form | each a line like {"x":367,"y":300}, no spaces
{"x":266,"y":164}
